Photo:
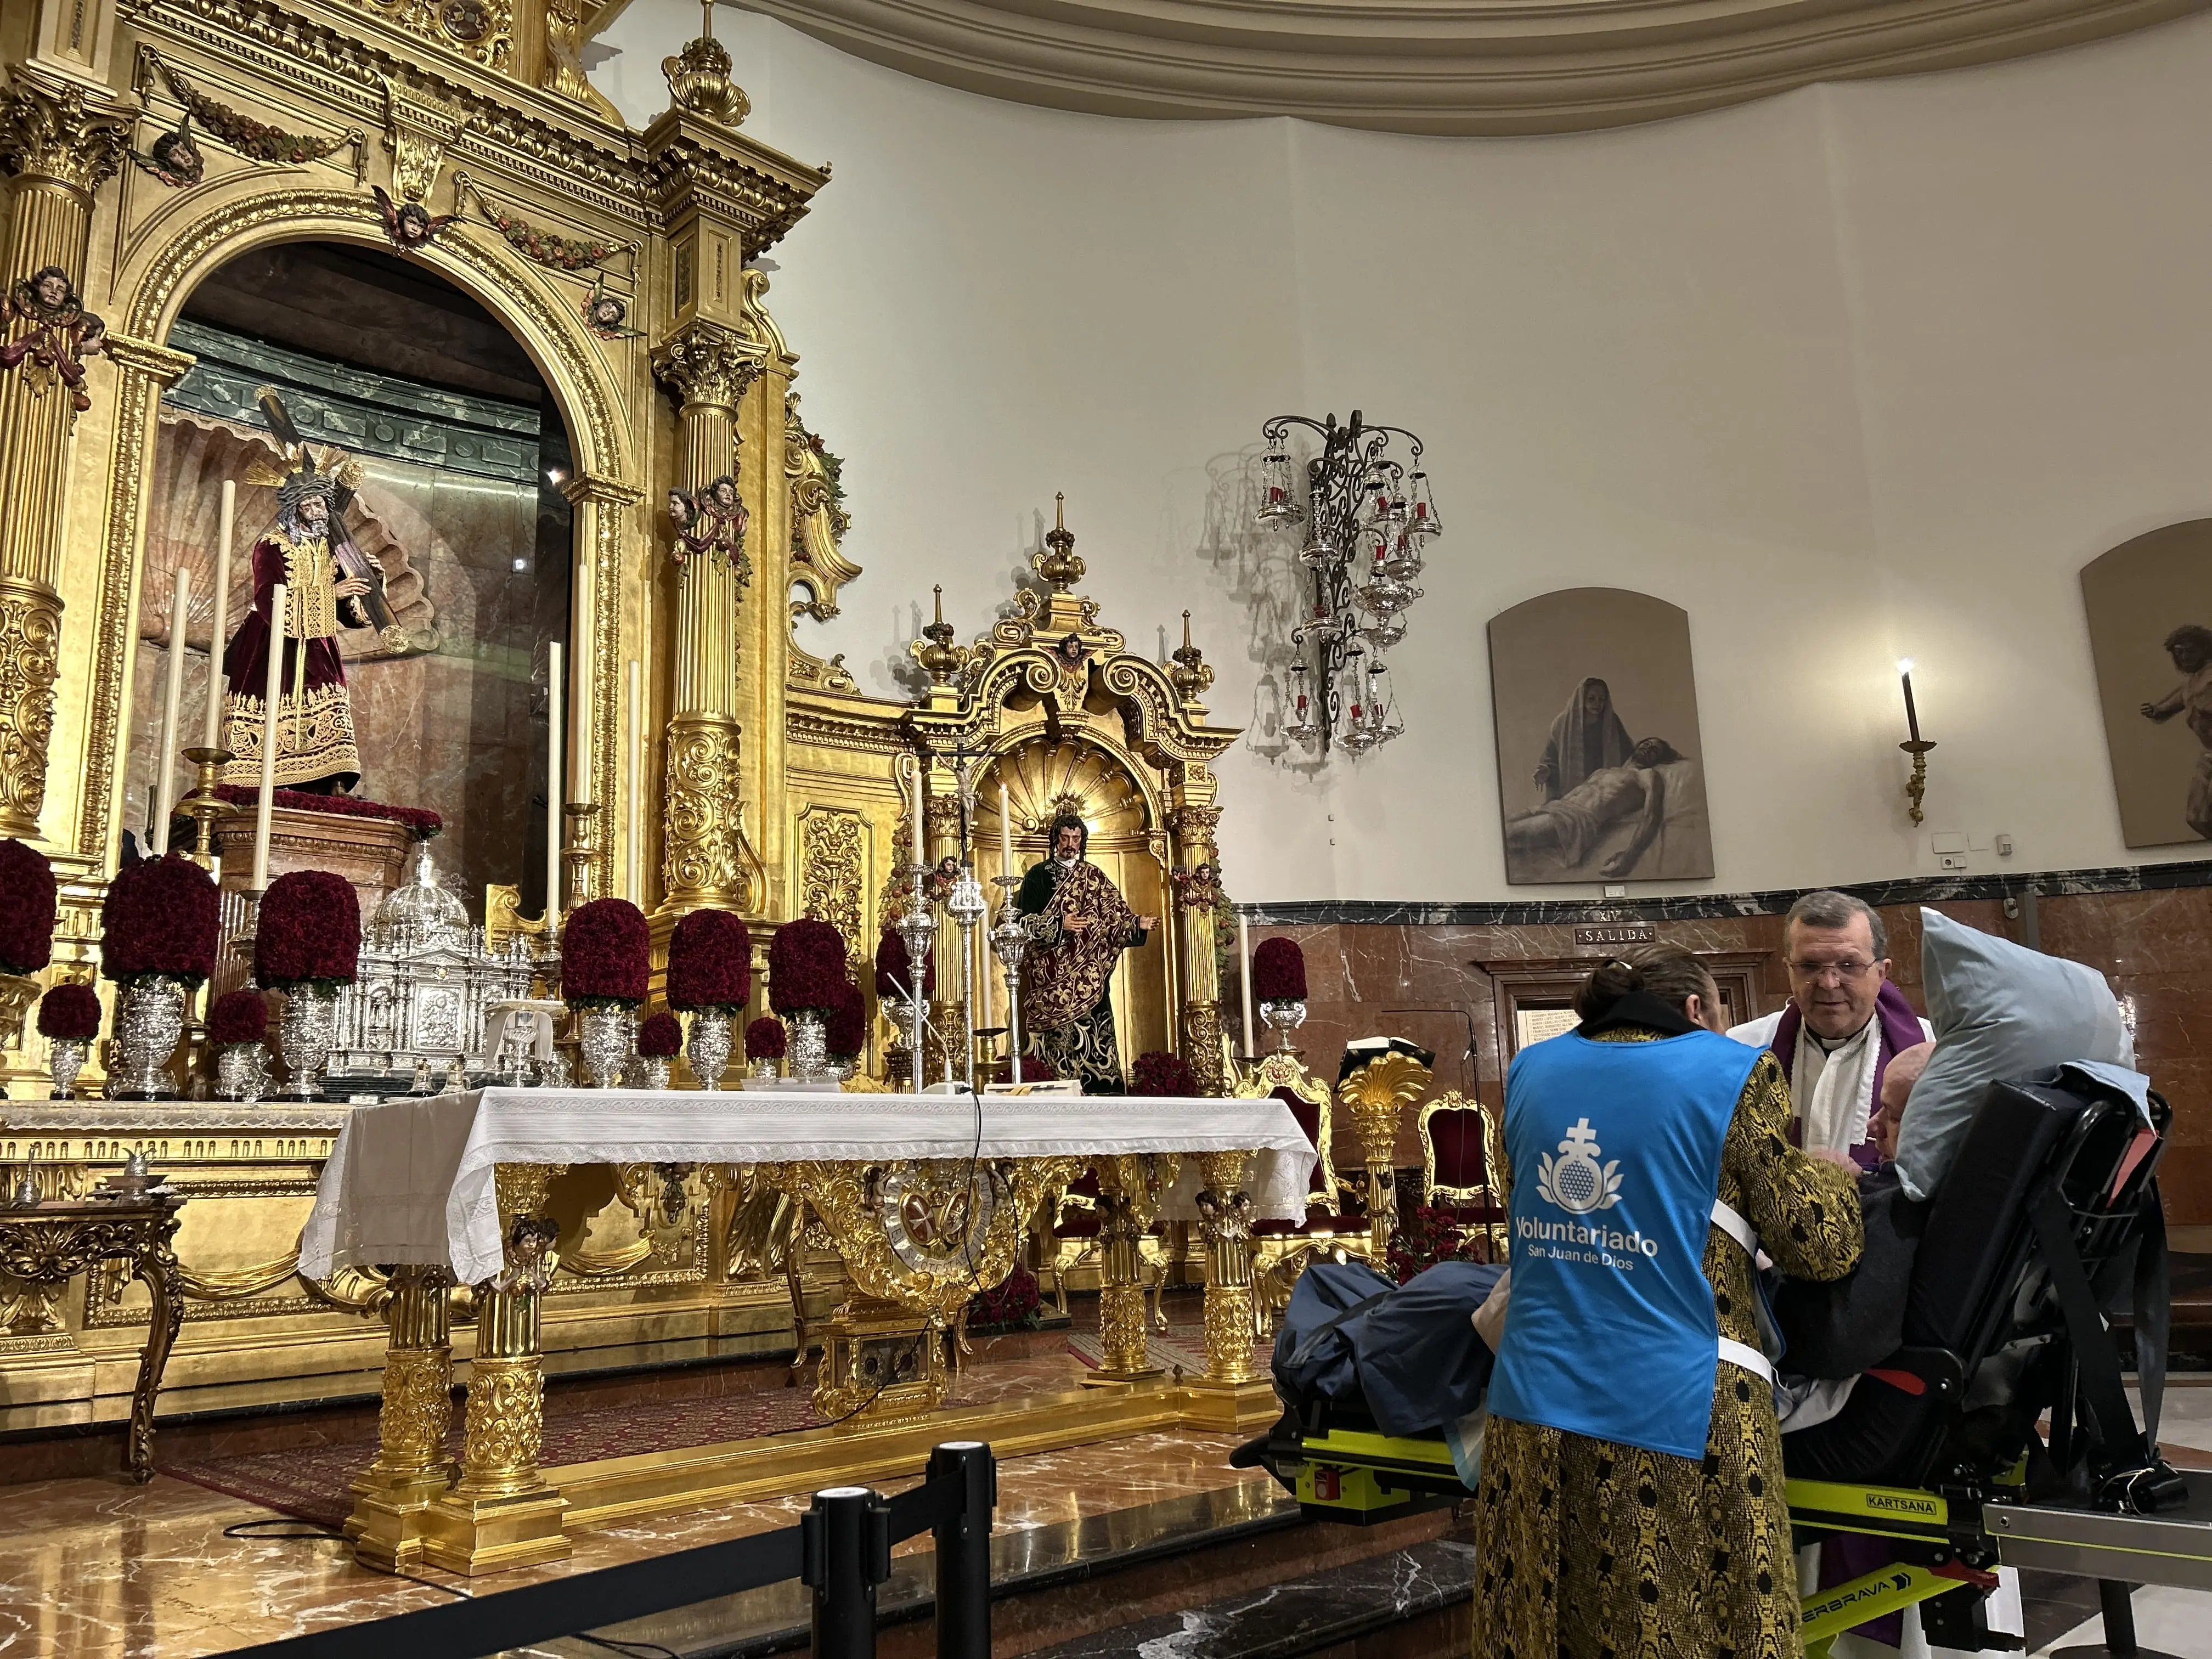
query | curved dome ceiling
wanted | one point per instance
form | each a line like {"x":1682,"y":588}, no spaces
{"x":1439,"y":66}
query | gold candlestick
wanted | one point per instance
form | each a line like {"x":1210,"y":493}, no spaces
{"x":207,"y":808}
{"x":1917,"y":786}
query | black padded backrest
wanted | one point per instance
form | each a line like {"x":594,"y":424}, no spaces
{"x":1978,"y":1235}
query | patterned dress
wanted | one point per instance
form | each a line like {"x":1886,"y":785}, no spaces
{"x":315,"y":747}
{"x":1586,"y":1549}
{"x":1067,"y":978}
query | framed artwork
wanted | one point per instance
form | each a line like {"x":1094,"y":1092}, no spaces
{"x":1533,"y":997}
{"x":2150,"y":607}
{"x":1601,"y":771}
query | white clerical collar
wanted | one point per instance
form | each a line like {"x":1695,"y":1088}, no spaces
{"x":1069,"y":864}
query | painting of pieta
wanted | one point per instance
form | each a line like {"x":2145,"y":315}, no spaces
{"x":1600,"y":773}
{"x":2149,"y":605}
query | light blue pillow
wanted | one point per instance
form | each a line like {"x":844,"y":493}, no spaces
{"x":2001,"y":1010}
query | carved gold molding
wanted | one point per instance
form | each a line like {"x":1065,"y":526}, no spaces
{"x":1461,"y":66}
{"x":51,"y":133}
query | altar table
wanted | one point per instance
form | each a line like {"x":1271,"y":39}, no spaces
{"x":925,"y":1199}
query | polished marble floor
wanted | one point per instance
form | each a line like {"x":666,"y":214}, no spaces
{"x":96,"y":1569}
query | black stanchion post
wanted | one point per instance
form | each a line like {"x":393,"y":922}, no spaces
{"x":848,"y":1553}
{"x":964,"y":1551}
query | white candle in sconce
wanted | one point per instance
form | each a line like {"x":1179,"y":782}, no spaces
{"x":165,"y":749}
{"x":272,"y":725}
{"x":555,"y":721}
{"x":211,"y":729}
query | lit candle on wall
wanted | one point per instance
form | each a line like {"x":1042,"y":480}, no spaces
{"x":554,"y":712}
{"x":165,"y":754}
{"x":211,"y":734}
{"x":1244,"y":977}
{"x":272,"y":723}
{"x":1911,"y":713}
{"x":636,"y":883}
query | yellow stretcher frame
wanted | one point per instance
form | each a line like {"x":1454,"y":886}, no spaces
{"x":1355,"y":1476}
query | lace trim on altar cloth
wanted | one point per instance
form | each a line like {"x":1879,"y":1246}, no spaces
{"x":314,"y":737}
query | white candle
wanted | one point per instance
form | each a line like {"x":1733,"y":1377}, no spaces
{"x":165,"y":753}
{"x":636,"y":786}
{"x":1244,"y":977}
{"x":918,"y":798}
{"x":212,"y":732}
{"x":1006,"y":836}
{"x":272,"y":701}
{"x":554,"y":713}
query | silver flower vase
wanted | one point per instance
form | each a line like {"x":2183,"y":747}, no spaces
{"x":241,"y":1072}
{"x":645,"y":1071}
{"x":149,"y":1020}
{"x":706,"y":1046}
{"x":602,"y":1037}
{"x":810,"y":1049}
{"x":68,"y":1060}
{"x":304,"y":1034}
{"x":766,"y":1070}
{"x":1285,"y":1016}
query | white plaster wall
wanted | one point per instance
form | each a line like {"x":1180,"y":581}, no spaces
{"x":1859,"y":371}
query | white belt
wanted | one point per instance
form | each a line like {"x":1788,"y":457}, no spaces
{"x":1730,"y":1220}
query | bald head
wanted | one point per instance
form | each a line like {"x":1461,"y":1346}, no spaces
{"x":1898,"y":1077}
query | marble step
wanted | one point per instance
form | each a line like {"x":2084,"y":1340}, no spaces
{"x":1410,"y":1603}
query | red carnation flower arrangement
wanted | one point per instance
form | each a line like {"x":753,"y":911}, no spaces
{"x":894,"y":968}
{"x":70,"y":1013}
{"x":26,"y":909}
{"x":766,"y":1039}
{"x":710,"y":963}
{"x":606,"y":956}
{"x":159,"y":920}
{"x":660,"y":1037}
{"x":308,"y":932}
{"x":420,"y":819}
{"x":1033,"y":1070}
{"x":1163,"y":1076}
{"x":1279,"y":971}
{"x":1013,"y":1305}
{"x":845,"y":1026}
{"x":238,"y":1017}
{"x":806,"y":967}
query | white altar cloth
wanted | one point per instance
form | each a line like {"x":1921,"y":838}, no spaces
{"x":410,"y":1181}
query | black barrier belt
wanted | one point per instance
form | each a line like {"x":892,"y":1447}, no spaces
{"x":918,"y":1509}
{"x":590,"y":1601}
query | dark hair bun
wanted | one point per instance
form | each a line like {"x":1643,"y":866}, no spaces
{"x":1609,"y":983}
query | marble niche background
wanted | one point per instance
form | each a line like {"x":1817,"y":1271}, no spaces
{"x":457,"y":503}
{"x":1417,"y":978}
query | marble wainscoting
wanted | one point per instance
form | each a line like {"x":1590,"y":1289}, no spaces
{"x":1414,"y":972}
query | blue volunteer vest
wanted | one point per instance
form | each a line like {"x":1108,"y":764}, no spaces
{"x":1615,"y":1149}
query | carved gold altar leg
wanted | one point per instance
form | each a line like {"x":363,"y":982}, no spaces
{"x":1125,"y":1344}
{"x":501,"y":1513}
{"x":410,"y":1470}
{"x":1376,"y":1095}
{"x":1231,"y":1394}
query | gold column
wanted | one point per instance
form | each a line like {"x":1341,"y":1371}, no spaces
{"x":948,"y":1004}
{"x":1126,"y":1201}
{"x":604,"y":512}
{"x":711,"y":366}
{"x":411,"y":1469}
{"x":58,"y":151}
{"x":1204,"y":1046}
{"x":1376,"y":1095}
{"x":1231,"y":1395}
{"x":501,"y":1513}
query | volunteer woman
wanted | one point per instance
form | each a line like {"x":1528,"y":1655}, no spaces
{"x":1633,"y":1499}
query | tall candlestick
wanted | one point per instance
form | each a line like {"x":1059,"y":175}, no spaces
{"x":272,"y":723}
{"x":211,"y":731}
{"x":1911,"y":713}
{"x":165,"y":753}
{"x":1244,"y":977}
{"x":636,"y":787}
{"x":1005,"y":835}
{"x":554,"y":722}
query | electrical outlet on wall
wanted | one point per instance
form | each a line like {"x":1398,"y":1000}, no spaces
{"x":1951,"y":860}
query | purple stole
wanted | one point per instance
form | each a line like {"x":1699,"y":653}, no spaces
{"x":1900,"y":1029}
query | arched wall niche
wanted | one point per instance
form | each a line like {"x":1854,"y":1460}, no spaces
{"x":151,"y":285}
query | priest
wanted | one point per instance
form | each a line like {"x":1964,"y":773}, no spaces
{"x":1842,"y":1025}
{"x":1079,"y":924}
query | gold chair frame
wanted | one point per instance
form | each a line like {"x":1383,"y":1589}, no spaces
{"x":1485,"y":1192}
{"x":1278,"y":1261}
